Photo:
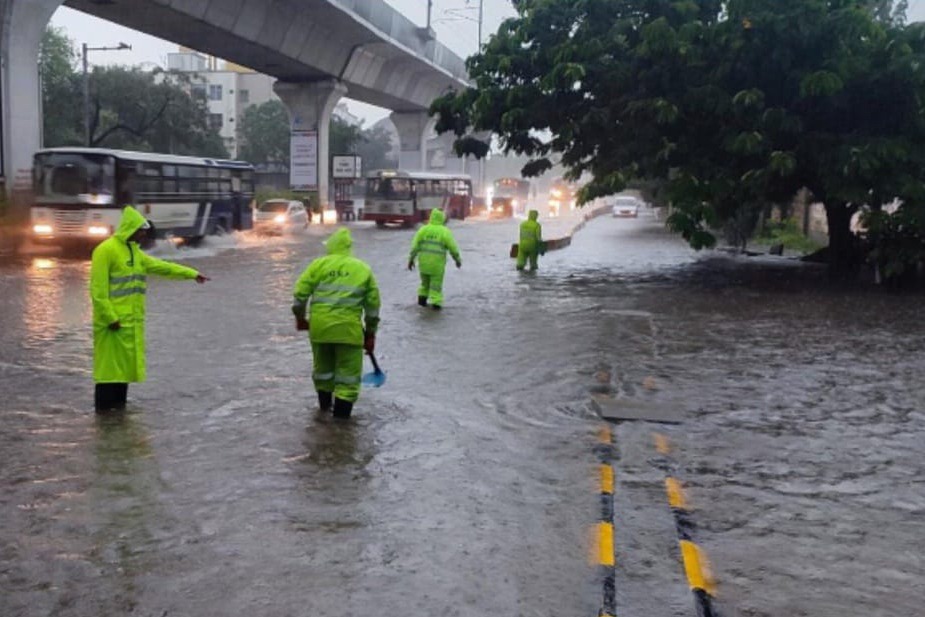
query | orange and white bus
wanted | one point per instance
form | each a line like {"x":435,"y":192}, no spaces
{"x":407,"y":197}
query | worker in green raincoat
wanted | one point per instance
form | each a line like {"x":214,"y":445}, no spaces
{"x":118,"y":282}
{"x":343,"y":300}
{"x":430,"y":245}
{"x":531,"y":241}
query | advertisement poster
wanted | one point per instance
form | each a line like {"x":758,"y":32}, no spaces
{"x":347,"y":166}
{"x":303,"y":160}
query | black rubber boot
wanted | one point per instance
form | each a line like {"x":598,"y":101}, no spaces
{"x":342,"y":408}
{"x":422,"y":300}
{"x":110,"y":397}
{"x":325,"y":400}
{"x":436,"y":307}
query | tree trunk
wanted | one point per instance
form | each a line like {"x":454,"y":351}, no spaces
{"x":843,"y":249}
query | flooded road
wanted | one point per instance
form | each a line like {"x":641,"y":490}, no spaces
{"x":466,"y":485}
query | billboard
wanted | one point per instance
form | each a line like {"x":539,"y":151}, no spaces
{"x":347,"y":166}
{"x":303,"y":160}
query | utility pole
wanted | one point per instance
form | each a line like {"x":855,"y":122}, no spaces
{"x":430,"y":8}
{"x":86,"y":77}
{"x":481,"y":6}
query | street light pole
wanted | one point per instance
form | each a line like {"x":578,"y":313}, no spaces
{"x":86,"y":77}
{"x":481,"y":6}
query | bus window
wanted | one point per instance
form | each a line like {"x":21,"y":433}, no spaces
{"x":169,"y":170}
{"x":170,"y":186}
{"x":389,"y":188}
{"x":72,"y":174}
{"x":186,"y":171}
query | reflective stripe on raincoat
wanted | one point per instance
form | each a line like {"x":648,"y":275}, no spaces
{"x":343,"y":291}
{"x":118,"y":284}
{"x":531,"y":233}
{"x":431,"y":243}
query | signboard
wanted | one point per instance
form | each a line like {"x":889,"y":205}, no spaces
{"x":303,"y":160}
{"x":347,"y":166}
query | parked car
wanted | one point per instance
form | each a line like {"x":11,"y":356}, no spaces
{"x":625,"y":206}
{"x":276,"y":216}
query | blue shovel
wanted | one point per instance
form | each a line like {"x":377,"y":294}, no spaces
{"x":377,"y":377}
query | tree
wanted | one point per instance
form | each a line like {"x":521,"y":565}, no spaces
{"x":375,"y":149}
{"x":264,"y":132}
{"x":265,"y":135}
{"x":61,"y":95}
{"x":734,"y":104}
{"x":149,"y":110}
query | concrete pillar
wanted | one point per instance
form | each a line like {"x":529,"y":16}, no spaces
{"x":413,"y":129}
{"x":310,"y":107}
{"x":20,"y":40}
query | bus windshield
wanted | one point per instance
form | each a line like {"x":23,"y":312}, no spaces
{"x":388,"y":188}
{"x":75,"y":175}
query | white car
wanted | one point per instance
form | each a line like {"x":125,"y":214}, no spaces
{"x":626,"y":207}
{"x":276,"y":216}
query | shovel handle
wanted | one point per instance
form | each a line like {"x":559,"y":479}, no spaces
{"x":372,"y":357}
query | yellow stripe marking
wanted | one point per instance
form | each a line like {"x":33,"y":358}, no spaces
{"x":676,"y":498}
{"x":603,"y":434}
{"x":607,"y":484}
{"x":661,"y":443}
{"x":605,"y":544}
{"x":697,"y":568}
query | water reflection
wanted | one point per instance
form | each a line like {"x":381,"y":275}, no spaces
{"x":123,"y":498}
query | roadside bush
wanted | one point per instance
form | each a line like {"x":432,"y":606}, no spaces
{"x":897,"y":243}
{"x":788,"y":233}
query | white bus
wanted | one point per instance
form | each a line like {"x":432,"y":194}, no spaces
{"x":407,"y":197}
{"x":79,"y":193}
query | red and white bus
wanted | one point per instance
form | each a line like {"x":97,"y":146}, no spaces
{"x":407,"y":197}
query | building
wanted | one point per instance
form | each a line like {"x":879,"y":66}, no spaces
{"x":228,"y":90}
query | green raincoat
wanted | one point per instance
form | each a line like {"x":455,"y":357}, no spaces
{"x":344,"y":308}
{"x":430,"y":246}
{"x":531,"y":241}
{"x":343,"y":291}
{"x":118,"y":283}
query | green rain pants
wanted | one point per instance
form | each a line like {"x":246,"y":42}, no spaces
{"x":522,"y":257}
{"x":338,"y":369}
{"x":432,"y":287}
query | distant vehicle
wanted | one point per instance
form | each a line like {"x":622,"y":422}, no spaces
{"x":561,"y":197}
{"x":510,"y":196}
{"x":276,"y":216}
{"x":79,"y":193}
{"x":626,"y":206}
{"x":408,"y":197}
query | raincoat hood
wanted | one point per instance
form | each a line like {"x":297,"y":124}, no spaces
{"x":339,"y":242}
{"x":131,"y":221}
{"x":437,"y":217}
{"x":533,"y":215}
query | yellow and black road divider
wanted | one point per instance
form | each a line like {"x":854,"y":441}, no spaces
{"x":604,"y":545}
{"x":696,"y":567}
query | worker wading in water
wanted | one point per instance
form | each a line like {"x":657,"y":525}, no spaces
{"x":118,"y":283}
{"x":342,"y":296}
{"x":430,"y":246}
{"x":531,"y":241}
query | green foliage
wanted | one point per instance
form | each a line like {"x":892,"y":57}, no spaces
{"x":264,"y":132}
{"x":61,"y":109}
{"x":788,"y":233}
{"x":898,"y":240}
{"x":129,"y":108}
{"x":265,"y":138}
{"x":733,"y":104}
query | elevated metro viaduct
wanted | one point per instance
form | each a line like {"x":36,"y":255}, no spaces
{"x":319,"y":51}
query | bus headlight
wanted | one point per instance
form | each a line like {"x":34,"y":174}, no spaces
{"x":98,"y":230}
{"x":43,"y":230}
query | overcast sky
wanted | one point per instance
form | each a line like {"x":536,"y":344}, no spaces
{"x":455,"y":21}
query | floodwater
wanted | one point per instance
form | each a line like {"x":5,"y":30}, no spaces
{"x":466,"y":485}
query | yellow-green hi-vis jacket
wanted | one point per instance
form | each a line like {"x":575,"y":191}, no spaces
{"x":118,"y":283}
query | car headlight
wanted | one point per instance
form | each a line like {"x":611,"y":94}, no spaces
{"x":43,"y":230}
{"x":279,"y":218}
{"x":98,"y":230}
